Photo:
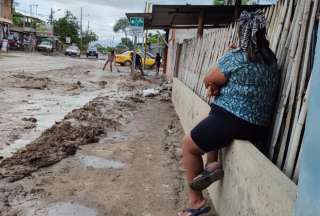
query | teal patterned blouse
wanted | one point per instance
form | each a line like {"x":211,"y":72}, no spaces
{"x":251,"y":90}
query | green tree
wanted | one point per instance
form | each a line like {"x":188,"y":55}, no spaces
{"x":218,"y":2}
{"x":16,"y":19}
{"x":103,"y":49}
{"x":89,"y":37}
{"x":154,"y":38}
{"x":121,"y":24}
{"x":67,"y":26}
{"x":127,"y":43}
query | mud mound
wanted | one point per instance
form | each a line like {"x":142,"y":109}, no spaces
{"x":80,"y":127}
{"x":135,"y":83}
{"x":30,"y":82}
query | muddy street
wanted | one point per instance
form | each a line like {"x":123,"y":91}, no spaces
{"x":79,"y":141}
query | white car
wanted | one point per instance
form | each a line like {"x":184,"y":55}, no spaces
{"x":72,"y":51}
{"x":45,"y":46}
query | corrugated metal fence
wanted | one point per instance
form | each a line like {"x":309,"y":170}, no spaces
{"x":291,"y":31}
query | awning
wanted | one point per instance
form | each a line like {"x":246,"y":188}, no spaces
{"x":187,"y":16}
{"x":22,"y":29}
{"x":6,"y":21}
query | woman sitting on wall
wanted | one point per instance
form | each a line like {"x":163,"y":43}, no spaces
{"x":245,"y":83}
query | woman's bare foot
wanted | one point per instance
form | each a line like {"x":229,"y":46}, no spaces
{"x":195,"y":204}
{"x":212,"y":166}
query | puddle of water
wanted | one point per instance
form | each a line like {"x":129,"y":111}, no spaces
{"x":18,"y":144}
{"x":114,"y":137}
{"x":100,"y":163}
{"x":70,"y":209}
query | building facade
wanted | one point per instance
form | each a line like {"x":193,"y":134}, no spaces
{"x":5,"y":21}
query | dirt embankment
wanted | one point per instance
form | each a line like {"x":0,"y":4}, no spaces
{"x":81,"y":126}
{"x":30,"y":82}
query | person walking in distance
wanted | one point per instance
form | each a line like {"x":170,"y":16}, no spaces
{"x":158,"y":63}
{"x":138,"y":62}
{"x":110,"y":60}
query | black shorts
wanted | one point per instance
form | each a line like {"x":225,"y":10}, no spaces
{"x":221,"y":127}
{"x":139,"y":66}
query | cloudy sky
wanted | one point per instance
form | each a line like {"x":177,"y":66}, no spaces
{"x":101,"y":14}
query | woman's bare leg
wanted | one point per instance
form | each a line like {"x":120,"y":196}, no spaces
{"x":212,"y":162}
{"x":212,"y":157}
{"x":111,"y":67}
{"x":105,"y":65}
{"x":193,"y":164}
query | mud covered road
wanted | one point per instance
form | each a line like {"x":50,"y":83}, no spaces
{"x":79,"y":141}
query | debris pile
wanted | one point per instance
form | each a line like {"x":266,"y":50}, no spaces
{"x":164,"y":91}
{"x":30,"y":82}
{"x":31,"y":119}
{"x":150,"y":92}
{"x":80,"y":127}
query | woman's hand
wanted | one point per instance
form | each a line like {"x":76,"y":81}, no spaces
{"x":209,"y":80}
{"x":213,"y":81}
{"x":231,"y":47}
{"x":213,"y":90}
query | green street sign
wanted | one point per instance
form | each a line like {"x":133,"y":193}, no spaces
{"x":137,"y":22}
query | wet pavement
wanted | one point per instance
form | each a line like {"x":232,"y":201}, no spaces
{"x":70,"y":209}
{"x":110,"y":157}
{"x":99,"y":163}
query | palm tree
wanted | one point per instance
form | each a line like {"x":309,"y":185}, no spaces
{"x":121,"y":25}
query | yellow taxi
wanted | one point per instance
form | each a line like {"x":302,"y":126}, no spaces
{"x":125,"y":59}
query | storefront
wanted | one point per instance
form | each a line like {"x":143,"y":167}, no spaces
{"x":5,"y":22}
{"x":4,"y":33}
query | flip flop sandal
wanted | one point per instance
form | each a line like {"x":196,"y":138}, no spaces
{"x":197,"y":212}
{"x":206,"y":179}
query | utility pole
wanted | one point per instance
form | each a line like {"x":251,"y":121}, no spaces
{"x":51,"y":16}
{"x":81,"y":30}
{"x":146,"y":36}
{"x":37,"y":9}
{"x":134,"y":54}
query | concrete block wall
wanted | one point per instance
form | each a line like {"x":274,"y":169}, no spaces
{"x":252,"y":185}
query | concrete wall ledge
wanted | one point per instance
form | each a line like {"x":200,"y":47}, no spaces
{"x":252,"y":185}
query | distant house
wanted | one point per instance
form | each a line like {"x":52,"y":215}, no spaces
{"x":5,"y":21}
{"x":23,"y":32}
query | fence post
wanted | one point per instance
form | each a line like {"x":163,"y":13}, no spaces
{"x":177,"y":62}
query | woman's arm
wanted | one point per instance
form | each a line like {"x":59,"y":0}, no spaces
{"x":215,"y":77}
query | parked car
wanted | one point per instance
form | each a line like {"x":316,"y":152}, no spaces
{"x":14,"y":42}
{"x":45,"y":46}
{"x":92,"y":51}
{"x":15,"y":45}
{"x":72,"y":51}
{"x":125,"y":59}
